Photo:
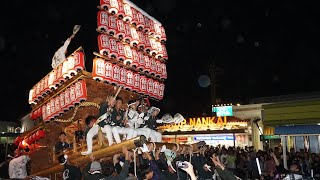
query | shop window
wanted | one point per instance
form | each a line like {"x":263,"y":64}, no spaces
{"x":314,"y":144}
{"x":299,"y":143}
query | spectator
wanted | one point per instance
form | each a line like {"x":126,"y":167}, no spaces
{"x":70,"y":172}
{"x":62,"y":144}
{"x":17,"y":166}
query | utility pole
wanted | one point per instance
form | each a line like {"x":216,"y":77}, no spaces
{"x":212,"y":70}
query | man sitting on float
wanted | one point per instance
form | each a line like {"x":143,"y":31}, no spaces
{"x":62,"y":144}
{"x":134,"y":119}
{"x":119,"y":122}
{"x":151,"y":121}
{"x":103,"y":123}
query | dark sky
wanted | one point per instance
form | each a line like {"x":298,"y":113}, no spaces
{"x":264,"y":47}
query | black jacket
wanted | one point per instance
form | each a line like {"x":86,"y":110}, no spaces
{"x":71,"y":172}
{"x":98,"y":176}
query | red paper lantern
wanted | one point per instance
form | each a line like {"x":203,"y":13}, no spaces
{"x":113,"y":48}
{"x":98,"y":69}
{"x":123,"y":76}
{"x":108,"y":72}
{"x":35,"y":137}
{"x":102,"y":22}
{"x":41,"y":133}
{"x":112,"y":26}
{"x":127,"y":12}
{"x":120,"y":30}
{"x":20,"y":145}
{"x":129,"y":80}
{"x":17,"y":140}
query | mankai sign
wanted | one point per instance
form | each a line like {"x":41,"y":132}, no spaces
{"x":198,"y":122}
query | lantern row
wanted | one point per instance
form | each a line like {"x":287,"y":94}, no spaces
{"x":73,"y":64}
{"x":127,"y":55}
{"x":22,"y":143}
{"x":113,"y":74}
{"x":121,"y":9}
{"x":60,"y":104}
{"x":123,"y":32}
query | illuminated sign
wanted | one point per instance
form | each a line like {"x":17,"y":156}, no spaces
{"x":213,"y":138}
{"x":223,"y":110}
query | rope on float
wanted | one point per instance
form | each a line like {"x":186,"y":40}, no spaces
{"x":83,"y":104}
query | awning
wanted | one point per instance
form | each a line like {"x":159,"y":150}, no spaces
{"x":298,"y":129}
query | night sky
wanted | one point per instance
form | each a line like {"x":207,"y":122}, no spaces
{"x":262,"y":48}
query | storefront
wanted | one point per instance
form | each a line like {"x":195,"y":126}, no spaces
{"x":296,"y":122}
{"x":228,"y":131}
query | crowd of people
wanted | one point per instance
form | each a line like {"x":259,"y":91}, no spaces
{"x":205,"y":163}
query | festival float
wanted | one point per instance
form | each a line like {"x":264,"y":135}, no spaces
{"x":130,"y":63}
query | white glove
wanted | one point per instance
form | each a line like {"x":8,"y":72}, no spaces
{"x":146,"y":118}
{"x":144,"y":148}
{"x":141,"y":115}
{"x":159,"y":121}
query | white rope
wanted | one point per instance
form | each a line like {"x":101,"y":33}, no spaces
{"x":135,"y":161}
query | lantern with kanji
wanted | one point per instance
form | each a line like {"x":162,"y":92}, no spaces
{"x":62,"y":102}
{"x":161,"y":91}
{"x":108,"y":72}
{"x":141,"y":43}
{"x":159,"y":54}
{"x":103,"y":44}
{"x":158,"y":69}
{"x":128,"y":55}
{"x":141,"y":22}
{"x":59,"y":77}
{"x":155,"y":92}
{"x":127,"y":36}
{"x":72,"y":95}
{"x":143,"y":85}
{"x":164,"y":52}
{"x":81,"y":91}
{"x":102,"y":22}
{"x":113,"y":54}
{"x":146,"y":28}
{"x":78,"y":61}
{"x":154,"y":47}
{"x":135,"y":37}
{"x":134,"y":20}
{"x":115,"y":74}
{"x":114,"y":7}
{"x":73,"y":98}
{"x":135,"y":58}
{"x":112,"y":26}
{"x":164,"y":71}
{"x":129,"y":80}
{"x":147,"y":65}
{"x":136,"y":82}
{"x":120,"y":13}
{"x":149,"y":87}
{"x":120,"y":30}
{"x":121,"y":53}
{"x":71,"y":70}
{"x":57,"y":106}
{"x":123,"y":77}
{"x":127,"y":12}
{"x":157,"y":31}
{"x":141,"y":62}
{"x":98,"y":69}
{"x":153,"y":67}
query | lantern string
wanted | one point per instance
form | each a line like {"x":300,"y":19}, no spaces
{"x":83,"y":104}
